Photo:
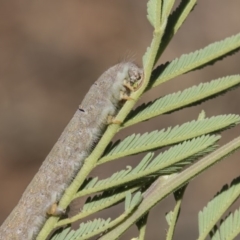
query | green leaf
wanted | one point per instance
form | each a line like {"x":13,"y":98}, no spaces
{"x":128,"y":201}
{"x":202,"y":115}
{"x":137,"y":198}
{"x":137,"y":143}
{"x":181,"y":13}
{"x":211,"y":214}
{"x":175,"y":20}
{"x":195,"y":60}
{"x":167,"y":6}
{"x":85,"y":231}
{"x":166,"y":162}
{"x":98,"y":202}
{"x":176,"y":101}
{"x":97,"y":226}
{"x":147,"y":57}
{"x":230,"y":227}
{"x":154,"y":9}
{"x":154,"y":12}
{"x":160,"y":189}
{"x":132,"y":202}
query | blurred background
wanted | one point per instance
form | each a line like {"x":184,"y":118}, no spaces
{"x":52,"y":52}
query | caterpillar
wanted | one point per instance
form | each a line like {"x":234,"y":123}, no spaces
{"x":97,"y":110}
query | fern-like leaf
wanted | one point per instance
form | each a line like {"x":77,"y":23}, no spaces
{"x":181,"y":13}
{"x":195,"y":60}
{"x":166,"y":162}
{"x":229,"y":228}
{"x":175,"y":20}
{"x":97,"y":226}
{"x":85,"y":231}
{"x":153,"y":11}
{"x":176,"y":101}
{"x":167,"y":6}
{"x":162,"y":187}
{"x":99,"y":202}
{"x":139,"y":143}
{"x":209,"y":216}
{"x":132,"y":202}
{"x":105,"y":199}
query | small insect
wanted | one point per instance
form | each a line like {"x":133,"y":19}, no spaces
{"x":98,"y":109}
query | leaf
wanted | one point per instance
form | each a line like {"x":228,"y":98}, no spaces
{"x":176,"y":101}
{"x":97,"y":203}
{"x":154,"y":8}
{"x":132,"y":202}
{"x":167,"y":6}
{"x":147,"y":55}
{"x":229,"y":228}
{"x":195,"y":60}
{"x":175,"y":20}
{"x":181,"y":13}
{"x":154,"y":12}
{"x":86,"y":230}
{"x":127,"y":200}
{"x":106,"y":199}
{"x":160,"y":189}
{"x":169,"y":217}
{"x":202,"y":115}
{"x":166,"y":162}
{"x":137,"y":143}
{"x":97,"y":226}
{"x":211,"y":214}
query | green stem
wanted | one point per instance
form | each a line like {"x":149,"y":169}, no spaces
{"x":175,"y":213}
{"x":142,"y":226}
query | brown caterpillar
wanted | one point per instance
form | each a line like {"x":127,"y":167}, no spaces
{"x":66,"y":158}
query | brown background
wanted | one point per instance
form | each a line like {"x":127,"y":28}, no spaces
{"x":50,"y":54}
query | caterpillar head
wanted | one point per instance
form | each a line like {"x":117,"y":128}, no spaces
{"x":135,"y":76}
{"x":118,"y":82}
{"x":128,"y":78}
